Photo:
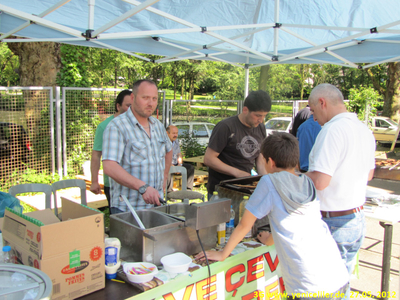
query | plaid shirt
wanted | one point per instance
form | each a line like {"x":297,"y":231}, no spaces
{"x":126,"y":142}
{"x":176,"y":149}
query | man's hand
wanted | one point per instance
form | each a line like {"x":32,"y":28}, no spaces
{"x":211,"y":160}
{"x":151,"y":196}
{"x":240,"y":173}
{"x":95,"y":188}
{"x":266,"y":238}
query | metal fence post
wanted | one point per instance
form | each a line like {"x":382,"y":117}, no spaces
{"x":58,"y":133}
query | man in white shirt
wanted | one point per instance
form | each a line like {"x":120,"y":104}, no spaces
{"x":341,"y":163}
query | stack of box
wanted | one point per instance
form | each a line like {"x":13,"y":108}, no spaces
{"x":70,"y":252}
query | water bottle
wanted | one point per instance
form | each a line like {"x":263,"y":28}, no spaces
{"x":230,"y":225}
{"x":214,"y":196}
{"x":7,"y":255}
{"x":242,"y":209}
{"x":221,"y":228}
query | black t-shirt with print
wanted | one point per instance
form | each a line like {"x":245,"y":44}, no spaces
{"x":238,"y":145}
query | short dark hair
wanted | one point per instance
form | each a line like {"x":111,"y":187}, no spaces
{"x":120,"y":98}
{"x":258,"y":101}
{"x":136,"y":85}
{"x":283,"y":148}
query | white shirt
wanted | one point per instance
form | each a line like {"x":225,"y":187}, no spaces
{"x":344,"y":150}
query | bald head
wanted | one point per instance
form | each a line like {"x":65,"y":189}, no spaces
{"x":326,"y":101}
{"x":172,"y":132}
{"x":327,"y":91}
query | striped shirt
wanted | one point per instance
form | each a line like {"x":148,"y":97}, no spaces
{"x":176,"y":149}
{"x":126,"y":142}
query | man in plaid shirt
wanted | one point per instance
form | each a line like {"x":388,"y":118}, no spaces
{"x":137,"y":152}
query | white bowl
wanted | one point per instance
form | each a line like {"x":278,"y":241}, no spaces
{"x":140,"y":266}
{"x":176,"y":263}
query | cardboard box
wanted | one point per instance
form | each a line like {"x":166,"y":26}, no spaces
{"x":70,"y":252}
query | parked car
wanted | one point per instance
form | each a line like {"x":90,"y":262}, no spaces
{"x":14,"y":142}
{"x":278,"y":124}
{"x":201,"y":131}
{"x":384,"y":130}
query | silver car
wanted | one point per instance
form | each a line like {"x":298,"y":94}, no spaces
{"x":201,"y":131}
{"x":384,"y":130}
{"x":278,"y":124}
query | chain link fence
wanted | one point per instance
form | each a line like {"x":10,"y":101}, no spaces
{"x":25,"y":134}
{"x":42,"y":136}
{"x":84,"y":109}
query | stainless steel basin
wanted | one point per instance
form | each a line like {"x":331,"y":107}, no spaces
{"x":163,"y":235}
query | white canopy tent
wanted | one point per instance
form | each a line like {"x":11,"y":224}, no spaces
{"x":245,"y":33}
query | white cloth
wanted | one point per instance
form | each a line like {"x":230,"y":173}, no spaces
{"x":308,"y":256}
{"x":344,"y":150}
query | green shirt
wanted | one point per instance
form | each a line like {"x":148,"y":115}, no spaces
{"x":98,"y":142}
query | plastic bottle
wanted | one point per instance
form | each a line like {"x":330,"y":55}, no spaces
{"x":242,"y":209}
{"x":230,"y":225}
{"x":221,"y":228}
{"x":214,"y":196}
{"x":7,"y":255}
{"x":112,"y":250}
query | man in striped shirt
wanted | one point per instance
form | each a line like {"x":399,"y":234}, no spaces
{"x":137,"y":152}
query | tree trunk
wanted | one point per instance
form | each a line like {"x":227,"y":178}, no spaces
{"x":191,"y":88}
{"x":302,"y":80}
{"x":264,"y":77}
{"x":183,"y":88}
{"x":39,"y":65}
{"x":390,"y":93}
{"x":115,"y":76}
{"x":174,"y":85}
{"x":391,"y":105}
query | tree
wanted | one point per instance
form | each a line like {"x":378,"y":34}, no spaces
{"x":74,"y":70}
{"x":39,"y":65}
{"x":9,"y":63}
{"x":388,"y":85}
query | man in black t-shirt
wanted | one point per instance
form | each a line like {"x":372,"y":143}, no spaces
{"x":235,"y":142}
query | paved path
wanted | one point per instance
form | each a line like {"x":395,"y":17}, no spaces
{"x":370,"y":256}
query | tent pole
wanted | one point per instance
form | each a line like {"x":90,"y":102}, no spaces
{"x":91,"y":14}
{"x":276,"y":28}
{"x":246,"y":85}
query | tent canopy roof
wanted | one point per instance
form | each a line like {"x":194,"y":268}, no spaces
{"x":251,"y":32}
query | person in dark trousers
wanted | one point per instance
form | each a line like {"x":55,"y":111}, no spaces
{"x":172,"y":132}
{"x":301,"y":116}
{"x":306,"y":134}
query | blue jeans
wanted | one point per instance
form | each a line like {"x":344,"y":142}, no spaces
{"x":348,"y":232}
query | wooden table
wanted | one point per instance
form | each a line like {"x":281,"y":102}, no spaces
{"x":199,"y":160}
{"x":38,"y":201}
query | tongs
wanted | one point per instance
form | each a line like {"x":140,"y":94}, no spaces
{"x":162,"y":201}
{"x":133,"y":212}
